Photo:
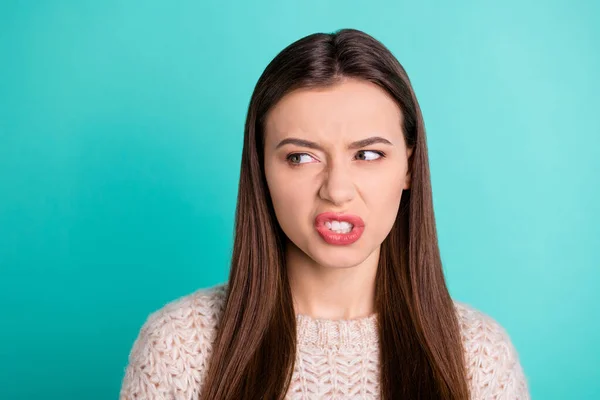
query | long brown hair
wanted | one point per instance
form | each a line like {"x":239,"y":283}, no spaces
{"x":421,"y":353}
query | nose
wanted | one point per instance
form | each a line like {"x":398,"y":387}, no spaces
{"x":338,"y":185}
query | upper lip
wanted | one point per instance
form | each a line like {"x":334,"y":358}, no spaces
{"x":339,"y":216}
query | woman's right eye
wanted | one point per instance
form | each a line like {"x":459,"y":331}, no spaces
{"x":295,"y":158}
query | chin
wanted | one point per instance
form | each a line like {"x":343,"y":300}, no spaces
{"x":338,"y":257}
{"x":340,"y":265}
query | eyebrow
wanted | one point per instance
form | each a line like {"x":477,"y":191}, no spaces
{"x":354,"y":145}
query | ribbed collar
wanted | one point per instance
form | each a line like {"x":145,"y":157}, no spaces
{"x":341,"y":332}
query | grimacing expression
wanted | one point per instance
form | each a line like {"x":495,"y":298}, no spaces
{"x":306,"y":181}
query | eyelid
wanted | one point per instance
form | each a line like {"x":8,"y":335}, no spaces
{"x":298,"y":153}
{"x":378,"y":152}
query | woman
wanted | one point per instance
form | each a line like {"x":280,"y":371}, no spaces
{"x":336,"y":287}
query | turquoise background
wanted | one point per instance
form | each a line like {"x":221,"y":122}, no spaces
{"x":121,"y":128}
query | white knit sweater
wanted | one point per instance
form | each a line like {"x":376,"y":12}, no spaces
{"x":336,"y":359}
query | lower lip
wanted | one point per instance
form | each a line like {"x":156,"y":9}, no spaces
{"x":340,"y":238}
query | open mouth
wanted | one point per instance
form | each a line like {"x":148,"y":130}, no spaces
{"x":339,"y":228}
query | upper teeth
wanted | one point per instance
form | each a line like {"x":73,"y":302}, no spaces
{"x":339,"y":226}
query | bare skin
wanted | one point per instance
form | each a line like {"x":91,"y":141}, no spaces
{"x":335,"y":281}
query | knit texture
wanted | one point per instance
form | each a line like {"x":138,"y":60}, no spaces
{"x":336,"y":359}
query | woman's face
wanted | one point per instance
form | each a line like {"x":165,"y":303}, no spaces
{"x":327,"y":173}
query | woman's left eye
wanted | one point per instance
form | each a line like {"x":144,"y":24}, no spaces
{"x":367,"y":158}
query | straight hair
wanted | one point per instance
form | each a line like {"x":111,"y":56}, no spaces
{"x":421,"y":351}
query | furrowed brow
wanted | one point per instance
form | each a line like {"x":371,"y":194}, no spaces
{"x":299,"y":142}
{"x":354,"y":145}
{"x":368,"y":142}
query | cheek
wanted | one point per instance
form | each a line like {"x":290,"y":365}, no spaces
{"x":382,"y":197}
{"x":292,"y":203}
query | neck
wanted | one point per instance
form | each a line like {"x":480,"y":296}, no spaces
{"x":331,"y":292}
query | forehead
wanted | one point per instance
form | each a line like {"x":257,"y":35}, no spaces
{"x":352,"y":108}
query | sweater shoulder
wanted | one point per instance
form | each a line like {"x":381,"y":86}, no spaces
{"x":199,"y":311}
{"x":170,"y":354}
{"x":492,"y":362}
{"x":477,"y":325}
{"x":203,"y":306}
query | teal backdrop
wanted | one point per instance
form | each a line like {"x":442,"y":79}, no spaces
{"x":121,"y":126}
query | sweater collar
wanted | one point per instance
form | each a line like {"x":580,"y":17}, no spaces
{"x":340,"y":332}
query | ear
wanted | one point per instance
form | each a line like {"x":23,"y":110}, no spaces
{"x":408,"y":178}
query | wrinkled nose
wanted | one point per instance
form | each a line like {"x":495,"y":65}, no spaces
{"x":338,"y":185}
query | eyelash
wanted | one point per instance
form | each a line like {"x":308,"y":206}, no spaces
{"x":380,"y":153}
